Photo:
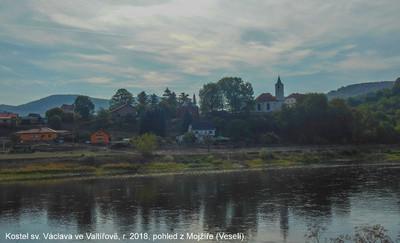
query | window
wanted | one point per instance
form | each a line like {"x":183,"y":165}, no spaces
{"x":259,"y":107}
{"x":49,"y":135}
{"x":268,"y":107}
{"x":210,"y":132}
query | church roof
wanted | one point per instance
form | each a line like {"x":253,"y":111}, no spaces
{"x":202,"y":125}
{"x":265,"y":97}
{"x":279,"y":81}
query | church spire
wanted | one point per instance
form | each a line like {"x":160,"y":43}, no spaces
{"x":279,"y":80}
{"x":279,"y":94}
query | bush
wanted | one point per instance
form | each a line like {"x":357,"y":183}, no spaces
{"x":169,"y":158}
{"x":146,"y":144}
{"x":265,"y":154}
{"x":349,"y":151}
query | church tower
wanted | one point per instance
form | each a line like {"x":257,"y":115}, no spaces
{"x":279,"y":90}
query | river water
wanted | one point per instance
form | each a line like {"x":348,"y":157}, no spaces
{"x":261,"y":206}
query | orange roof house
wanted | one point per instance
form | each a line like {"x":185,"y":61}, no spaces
{"x":100,"y":137}
{"x":39,"y":134}
{"x":8,"y":117}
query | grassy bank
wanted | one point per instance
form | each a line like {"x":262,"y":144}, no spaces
{"x":96,"y":163}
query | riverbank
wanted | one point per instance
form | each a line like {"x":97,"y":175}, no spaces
{"x":98,"y":163}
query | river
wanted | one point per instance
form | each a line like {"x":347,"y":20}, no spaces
{"x":261,"y":206}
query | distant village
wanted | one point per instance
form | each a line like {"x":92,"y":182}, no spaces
{"x":34,"y":128}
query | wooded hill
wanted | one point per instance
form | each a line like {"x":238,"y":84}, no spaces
{"x":42,"y":105}
{"x":354,"y":90}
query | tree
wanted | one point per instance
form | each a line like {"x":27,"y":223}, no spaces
{"x":54,"y":111}
{"x":186,"y":121}
{"x":66,"y":117}
{"x":238,"y":130}
{"x":103,"y":119}
{"x":183,"y":97}
{"x":121,"y":97}
{"x":146,"y":144}
{"x":84,"y":107}
{"x":55,"y":122}
{"x":189,"y":138}
{"x":211,"y":98}
{"x":142,"y":98}
{"x":207,"y":140}
{"x":238,"y":96}
{"x":168,"y":103}
{"x":152,"y":121}
{"x":194,"y":100}
{"x":153,"y":101}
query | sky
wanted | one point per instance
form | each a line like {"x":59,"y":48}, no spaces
{"x":95,"y":47}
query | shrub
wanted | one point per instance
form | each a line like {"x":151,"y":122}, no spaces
{"x":169,"y":158}
{"x":265,"y":154}
{"x":146,"y":144}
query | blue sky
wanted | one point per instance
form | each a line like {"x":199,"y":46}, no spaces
{"x":95,"y":47}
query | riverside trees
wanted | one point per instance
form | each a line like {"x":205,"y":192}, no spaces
{"x":229,"y":92}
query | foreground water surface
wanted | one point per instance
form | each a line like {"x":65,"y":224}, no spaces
{"x":263,"y":206}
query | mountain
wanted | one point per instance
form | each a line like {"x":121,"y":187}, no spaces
{"x":359,"y":89}
{"x":44,"y":104}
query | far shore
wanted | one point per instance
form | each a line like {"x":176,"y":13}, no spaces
{"x":86,"y":162}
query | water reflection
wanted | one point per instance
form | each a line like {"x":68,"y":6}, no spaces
{"x":276,"y":203}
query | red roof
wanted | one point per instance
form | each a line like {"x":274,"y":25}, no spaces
{"x":265,"y":97}
{"x":38,"y":130}
{"x":294,"y":95}
{"x":120,"y":107}
{"x":8,"y":115}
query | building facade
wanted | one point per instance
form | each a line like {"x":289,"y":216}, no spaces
{"x":120,"y":113}
{"x":266,"y":102}
{"x":100,"y":137}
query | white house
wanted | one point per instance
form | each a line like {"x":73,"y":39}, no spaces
{"x":291,"y":100}
{"x":201,"y":129}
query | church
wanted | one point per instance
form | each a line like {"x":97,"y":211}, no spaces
{"x":265,"y":102}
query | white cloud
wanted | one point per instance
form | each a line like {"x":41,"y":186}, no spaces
{"x":165,"y":43}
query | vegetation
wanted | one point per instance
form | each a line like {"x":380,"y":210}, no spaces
{"x":121,"y":97}
{"x":42,"y":165}
{"x":146,"y":144}
{"x":363,"y":233}
{"x":84,"y":107}
{"x":229,"y":92}
{"x":354,"y":90}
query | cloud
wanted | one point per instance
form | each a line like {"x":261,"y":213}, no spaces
{"x":94,"y":80}
{"x":183,"y":43}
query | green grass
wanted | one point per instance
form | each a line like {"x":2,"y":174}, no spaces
{"x":100,"y":163}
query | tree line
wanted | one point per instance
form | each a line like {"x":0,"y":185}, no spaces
{"x":227,"y":103}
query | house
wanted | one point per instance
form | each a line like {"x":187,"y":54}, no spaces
{"x":291,"y":100}
{"x":187,"y":107}
{"x":100,"y":137}
{"x":8,"y":118}
{"x":32,"y":118}
{"x":201,"y":129}
{"x":265,"y":102}
{"x":40,"y":134}
{"x":68,"y":108}
{"x":121,"y":112}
